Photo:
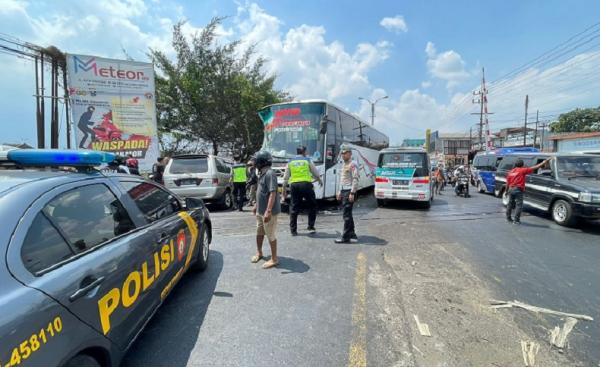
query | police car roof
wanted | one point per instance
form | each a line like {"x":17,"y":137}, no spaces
{"x":12,"y":178}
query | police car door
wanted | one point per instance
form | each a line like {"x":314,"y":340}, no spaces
{"x":174,"y":232}
{"x":103,"y":281}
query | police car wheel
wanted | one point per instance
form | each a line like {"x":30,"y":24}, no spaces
{"x":82,"y":360}
{"x":202,"y":257}
{"x":562,"y":213}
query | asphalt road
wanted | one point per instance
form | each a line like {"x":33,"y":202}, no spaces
{"x":322,"y":306}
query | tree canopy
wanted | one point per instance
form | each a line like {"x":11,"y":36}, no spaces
{"x":578,"y":120}
{"x":209,"y":95}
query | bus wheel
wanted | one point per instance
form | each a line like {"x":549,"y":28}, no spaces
{"x":380,"y":203}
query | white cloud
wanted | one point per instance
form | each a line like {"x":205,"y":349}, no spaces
{"x":448,"y":66}
{"x":307,"y":64}
{"x":394,"y":24}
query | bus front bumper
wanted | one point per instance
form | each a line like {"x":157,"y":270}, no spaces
{"x":395,"y":194}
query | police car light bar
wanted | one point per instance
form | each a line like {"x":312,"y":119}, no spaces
{"x":53,"y":157}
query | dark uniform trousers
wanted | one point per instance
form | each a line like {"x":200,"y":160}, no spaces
{"x":302,"y":191}
{"x":347,"y":215}
{"x":239,"y":193}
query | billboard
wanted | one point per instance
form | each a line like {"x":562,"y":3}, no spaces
{"x":113,"y":106}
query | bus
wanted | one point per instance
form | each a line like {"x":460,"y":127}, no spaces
{"x":322,"y":128}
{"x":485,"y":165}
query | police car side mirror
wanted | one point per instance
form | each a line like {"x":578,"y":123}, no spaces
{"x":323,"y":125}
{"x":193,"y":203}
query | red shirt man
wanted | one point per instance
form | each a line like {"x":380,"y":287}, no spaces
{"x":516,"y":176}
{"x":515,"y":182}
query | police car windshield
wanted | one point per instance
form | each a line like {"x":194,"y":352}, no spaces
{"x":189,"y":165}
{"x":573,"y":167}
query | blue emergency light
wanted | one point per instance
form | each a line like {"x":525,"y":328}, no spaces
{"x":53,"y":157}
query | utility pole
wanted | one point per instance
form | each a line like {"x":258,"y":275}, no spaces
{"x":525,"y":126}
{"x":537,"y":120}
{"x":483,"y":114}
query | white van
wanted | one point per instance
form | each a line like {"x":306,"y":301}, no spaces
{"x":403,"y":174}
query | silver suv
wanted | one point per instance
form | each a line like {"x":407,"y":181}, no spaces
{"x":205,"y":177}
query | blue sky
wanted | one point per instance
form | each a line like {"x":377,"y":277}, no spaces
{"x":425,"y":55}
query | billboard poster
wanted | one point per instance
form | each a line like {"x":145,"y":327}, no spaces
{"x":113,"y":106}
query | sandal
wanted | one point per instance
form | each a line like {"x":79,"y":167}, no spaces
{"x":256,"y":258}
{"x":270,"y":264}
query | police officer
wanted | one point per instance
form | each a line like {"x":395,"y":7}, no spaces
{"x":239,"y":183}
{"x":300,"y":173}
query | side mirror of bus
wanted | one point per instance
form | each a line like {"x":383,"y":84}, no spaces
{"x":323,"y":125}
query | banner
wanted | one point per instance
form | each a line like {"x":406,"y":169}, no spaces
{"x":113,"y":107}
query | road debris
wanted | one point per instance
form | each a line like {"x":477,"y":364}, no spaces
{"x":530,"y":350}
{"x":558,"y":336}
{"x":508,"y":304}
{"x":423,"y":328}
{"x":414,"y":263}
{"x":412,"y":291}
{"x":418,"y":350}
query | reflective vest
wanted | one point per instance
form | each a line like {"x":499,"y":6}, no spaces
{"x":299,"y":170}
{"x":239,"y":173}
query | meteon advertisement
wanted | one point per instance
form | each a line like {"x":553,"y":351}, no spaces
{"x":113,"y":106}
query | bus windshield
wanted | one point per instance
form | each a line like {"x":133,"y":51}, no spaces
{"x":290,"y":125}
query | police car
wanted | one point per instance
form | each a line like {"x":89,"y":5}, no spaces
{"x":87,"y":257}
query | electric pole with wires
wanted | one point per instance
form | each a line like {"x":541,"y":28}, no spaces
{"x":483,"y":114}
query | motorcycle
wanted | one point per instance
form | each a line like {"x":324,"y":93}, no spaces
{"x":462,"y":186}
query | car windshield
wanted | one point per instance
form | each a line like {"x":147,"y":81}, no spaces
{"x":580,"y":166}
{"x":189,"y":165}
{"x":288,"y":126}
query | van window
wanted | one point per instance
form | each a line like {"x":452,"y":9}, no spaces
{"x":507,"y":163}
{"x":406,"y":160}
{"x":189,"y":165}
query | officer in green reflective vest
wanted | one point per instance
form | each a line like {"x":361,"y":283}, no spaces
{"x":300,"y":173}
{"x":239,"y":184}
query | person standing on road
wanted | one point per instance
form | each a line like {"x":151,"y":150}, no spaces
{"x":439,"y":181}
{"x":252,"y":180}
{"x":515,"y":186}
{"x":267,"y":209}
{"x":158,"y":169}
{"x":239,"y":183}
{"x":132,"y":164}
{"x":300,"y":172}
{"x":347,"y":194}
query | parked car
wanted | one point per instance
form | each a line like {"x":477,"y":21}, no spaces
{"x":569,"y":190}
{"x":200,"y":176}
{"x":87,"y":257}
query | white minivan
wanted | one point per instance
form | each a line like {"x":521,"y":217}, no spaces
{"x":403,"y":174}
{"x":200,"y":176}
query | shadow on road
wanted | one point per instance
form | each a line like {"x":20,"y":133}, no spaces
{"x":172,"y":333}
{"x":290,"y":265}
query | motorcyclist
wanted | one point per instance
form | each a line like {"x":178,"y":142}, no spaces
{"x":462,"y":182}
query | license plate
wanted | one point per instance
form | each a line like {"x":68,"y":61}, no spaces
{"x":400,"y":182}
{"x":188,"y":181}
